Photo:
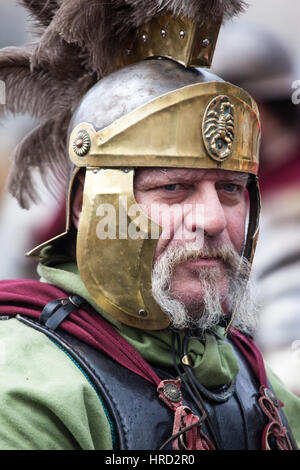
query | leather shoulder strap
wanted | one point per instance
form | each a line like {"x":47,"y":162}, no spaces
{"x":125,"y":393}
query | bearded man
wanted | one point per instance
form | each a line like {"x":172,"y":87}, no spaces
{"x":139,"y":334}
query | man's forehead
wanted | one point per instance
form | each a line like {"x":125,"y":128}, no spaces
{"x":190,"y":174}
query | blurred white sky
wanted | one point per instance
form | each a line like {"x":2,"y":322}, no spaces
{"x":13,"y":28}
{"x":282,"y":16}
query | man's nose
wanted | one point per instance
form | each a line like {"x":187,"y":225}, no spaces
{"x":206,"y":212}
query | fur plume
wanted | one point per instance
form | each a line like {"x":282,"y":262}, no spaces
{"x":38,"y":93}
{"x":102,"y":28}
{"x":42,"y":11}
{"x":41,"y":141}
{"x":79,"y":41}
{"x":194,"y":8}
{"x":48,"y":99}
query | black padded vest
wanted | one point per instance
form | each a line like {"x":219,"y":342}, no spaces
{"x":143,"y":422}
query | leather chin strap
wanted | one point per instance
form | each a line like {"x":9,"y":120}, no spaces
{"x":252,"y":235}
{"x":56,"y":311}
{"x":254,"y":217}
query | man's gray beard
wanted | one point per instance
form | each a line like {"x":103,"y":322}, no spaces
{"x":207,"y":314}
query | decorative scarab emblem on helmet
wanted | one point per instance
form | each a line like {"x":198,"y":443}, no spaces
{"x":82,"y":143}
{"x":218,"y":128}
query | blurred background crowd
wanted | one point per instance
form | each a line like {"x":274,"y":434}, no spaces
{"x":259,"y":51}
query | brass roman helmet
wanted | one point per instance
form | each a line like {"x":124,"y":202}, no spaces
{"x":157,"y":109}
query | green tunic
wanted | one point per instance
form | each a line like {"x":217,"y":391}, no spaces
{"x":47,"y":402}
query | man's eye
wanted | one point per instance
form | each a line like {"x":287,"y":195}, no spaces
{"x":231,"y":188}
{"x":170,"y":187}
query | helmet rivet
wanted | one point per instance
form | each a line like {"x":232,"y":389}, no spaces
{"x":182,"y":34}
{"x":142,"y":313}
{"x":144,"y":37}
{"x":163,"y":33}
{"x":82,"y":143}
{"x":205,"y":42}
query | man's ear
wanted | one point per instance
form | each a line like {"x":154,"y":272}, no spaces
{"x":76,"y":205}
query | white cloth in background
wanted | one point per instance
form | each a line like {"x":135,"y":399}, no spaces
{"x":277,"y":272}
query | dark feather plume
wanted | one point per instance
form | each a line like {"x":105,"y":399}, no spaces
{"x":42,"y":11}
{"x":79,"y":42}
{"x":37,"y":92}
{"x":27,"y":158}
{"x":100,"y":28}
{"x":49,"y":100}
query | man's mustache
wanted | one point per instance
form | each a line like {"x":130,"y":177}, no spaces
{"x":226,"y":253}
